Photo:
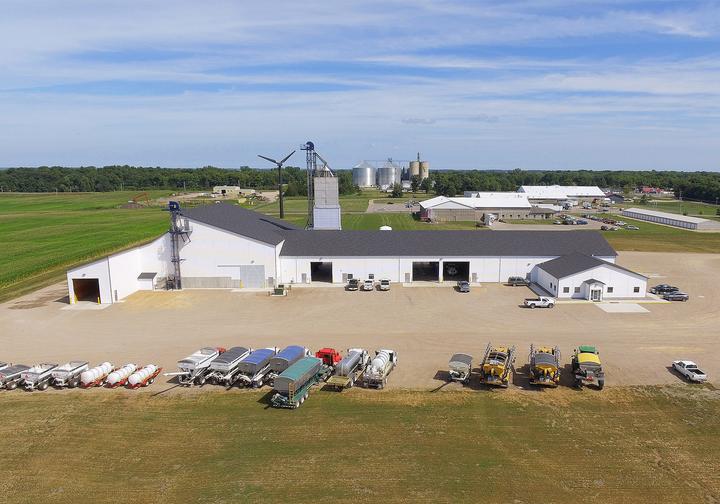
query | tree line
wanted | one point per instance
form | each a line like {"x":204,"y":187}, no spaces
{"x":701,"y":186}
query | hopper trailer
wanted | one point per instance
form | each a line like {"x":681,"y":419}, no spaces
{"x":224,"y":368}
{"x":254,"y":369}
{"x":286,"y":358}
{"x":68,"y":375}
{"x":376,"y":373}
{"x":11,"y":376}
{"x":350,"y":369}
{"x":497,"y":365}
{"x":38,"y":377}
{"x":194,"y":368}
{"x":292,"y":386}
{"x":460,"y":367}
{"x":544,"y":366}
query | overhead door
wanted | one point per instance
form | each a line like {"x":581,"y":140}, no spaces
{"x":252,"y":276}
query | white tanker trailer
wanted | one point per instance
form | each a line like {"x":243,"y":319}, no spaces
{"x":350,"y":369}
{"x":376,"y":373}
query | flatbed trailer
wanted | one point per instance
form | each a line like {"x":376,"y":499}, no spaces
{"x":38,"y":377}
{"x":349,"y":370}
{"x":11,"y":376}
{"x":68,"y":375}
{"x":225,"y":367}
{"x":293,"y":385}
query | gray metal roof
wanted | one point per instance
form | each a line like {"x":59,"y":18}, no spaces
{"x":241,"y":221}
{"x":593,"y":281}
{"x":575,"y":262}
{"x":444,"y":243}
{"x":146,"y":275}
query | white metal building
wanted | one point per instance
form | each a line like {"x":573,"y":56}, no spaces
{"x":580,"y":276}
{"x":671,"y":219}
{"x":502,"y":205}
{"x":557,"y":193}
{"x":230,"y":247}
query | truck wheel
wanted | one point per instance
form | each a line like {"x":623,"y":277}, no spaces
{"x":201,"y":381}
{"x":74,"y":383}
{"x":43,"y":386}
{"x":550,"y":305}
{"x":601,"y":384}
{"x":532,"y":306}
{"x":578,"y":383}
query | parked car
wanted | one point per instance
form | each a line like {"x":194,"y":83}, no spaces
{"x":463,"y":286}
{"x":353,"y":284}
{"x":540,"y":302}
{"x":608,"y":228}
{"x":515,"y":281}
{"x":675,"y":296}
{"x":557,"y":222}
{"x":632,"y":228}
{"x":582,"y":222}
{"x":663,"y":289}
{"x":384,"y":284}
{"x":368,"y":285}
{"x":689,"y":370}
{"x":621,"y":223}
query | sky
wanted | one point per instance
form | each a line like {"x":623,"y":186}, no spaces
{"x":486,"y":84}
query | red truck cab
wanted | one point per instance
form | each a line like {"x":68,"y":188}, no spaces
{"x":329,"y":356}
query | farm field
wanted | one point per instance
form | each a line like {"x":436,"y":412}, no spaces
{"x":657,"y":238}
{"x":43,"y":234}
{"x":363,"y":446}
{"x":694,"y":209}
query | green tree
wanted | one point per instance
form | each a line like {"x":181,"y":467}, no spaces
{"x":414,"y":183}
{"x":397,"y":191}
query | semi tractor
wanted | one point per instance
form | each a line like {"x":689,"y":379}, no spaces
{"x":292,"y":386}
{"x":544,"y":366}
{"x":350,"y":369}
{"x":497,"y":365}
{"x":376,"y":374}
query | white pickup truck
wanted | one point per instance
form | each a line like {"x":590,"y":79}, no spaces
{"x":689,"y":370}
{"x":540,"y":302}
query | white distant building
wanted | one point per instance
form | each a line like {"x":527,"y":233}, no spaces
{"x":671,"y":219}
{"x":479,"y":206}
{"x":558,"y":193}
{"x":226,"y":190}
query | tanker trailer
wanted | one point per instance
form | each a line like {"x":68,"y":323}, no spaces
{"x":350,"y":369}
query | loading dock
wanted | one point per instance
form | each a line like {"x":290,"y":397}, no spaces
{"x":86,"y":289}
{"x":456,"y":271}
{"x":426,"y":271}
{"x":321,"y":272}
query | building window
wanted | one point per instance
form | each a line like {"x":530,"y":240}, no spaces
{"x":636,"y":289}
{"x":577,"y":290}
{"x":609,"y":290}
{"x":566,"y":290}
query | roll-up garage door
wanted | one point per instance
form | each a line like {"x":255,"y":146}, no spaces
{"x":252,"y":276}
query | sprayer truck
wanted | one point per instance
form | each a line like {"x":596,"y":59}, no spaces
{"x":350,"y":369}
{"x":544,"y":366}
{"x":497,"y":366}
{"x":376,"y":373}
{"x":292,"y":386}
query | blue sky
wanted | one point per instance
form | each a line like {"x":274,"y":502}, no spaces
{"x":534,"y":84}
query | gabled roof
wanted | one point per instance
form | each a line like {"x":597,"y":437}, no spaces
{"x":561,"y":192}
{"x":478,"y":243}
{"x":241,"y":221}
{"x":576,"y":262}
{"x":482,"y":200}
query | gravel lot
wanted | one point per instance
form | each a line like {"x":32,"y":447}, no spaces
{"x":425,"y":325}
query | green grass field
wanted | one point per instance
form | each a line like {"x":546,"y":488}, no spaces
{"x":44,"y":234}
{"x":684,"y":207}
{"x":618,"y":445}
{"x":657,"y":238}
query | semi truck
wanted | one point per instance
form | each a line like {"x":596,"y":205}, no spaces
{"x":544,"y":366}
{"x":350,"y":369}
{"x":293,"y":385}
{"x":376,"y":373}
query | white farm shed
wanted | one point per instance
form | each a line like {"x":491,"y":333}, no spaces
{"x":579,"y":276}
{"x":671,"y":219}
{"x":228,"y":247}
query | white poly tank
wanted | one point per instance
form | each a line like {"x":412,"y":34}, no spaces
{"x":380,"y":360}
{"x":142,"y":375}
{"x":121,"y":374}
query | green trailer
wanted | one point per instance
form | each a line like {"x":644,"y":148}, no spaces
{"x":293,"y":385}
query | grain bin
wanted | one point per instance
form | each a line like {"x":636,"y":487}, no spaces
{"x":386,"y":176}
{"x":424,"y":170}
{"x":414,"y":168}
{"x":364,"y":175}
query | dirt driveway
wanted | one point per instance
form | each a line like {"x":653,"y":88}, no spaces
{"x":425,"y":325}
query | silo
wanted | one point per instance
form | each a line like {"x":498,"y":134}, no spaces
{"x":424,"y":170}
{"x":364,"y":175}
{"x":386,"y":176}
{"x":414,"y":168}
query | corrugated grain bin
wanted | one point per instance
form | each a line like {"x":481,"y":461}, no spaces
{"x":297,"y":375}
{"x":287,"y":356}
{"x":257,"y":360}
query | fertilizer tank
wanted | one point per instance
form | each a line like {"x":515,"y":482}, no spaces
{"x":380,"y":361}
{"x":121,"y":374}
{"x":142,"y":375}
{"x":348,"y":364}
{"x":95,"y":373}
